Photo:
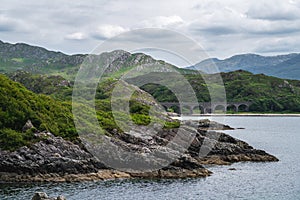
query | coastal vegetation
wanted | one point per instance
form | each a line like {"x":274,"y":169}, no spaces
{"x":50,"y":109}
{"x":40,"y":91}
{"x":267,"y":94}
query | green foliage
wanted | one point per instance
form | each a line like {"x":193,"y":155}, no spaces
{"x":17,"y":105}
{"x":49,"y":105}
{"x":172,"y":124}
{"x":137,"y":107}
{"x":267,"y":94}
{"x":55,"y":86}
{"x":141,"y":119}
{"x":11,"y":139}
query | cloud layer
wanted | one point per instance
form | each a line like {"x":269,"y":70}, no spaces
{"x":222,"y":27}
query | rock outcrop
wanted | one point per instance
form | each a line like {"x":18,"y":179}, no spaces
{"x":57,"y":160}
{"x":50,"y":155}
{"x":44,"y":196}
{"x":27,"y":126}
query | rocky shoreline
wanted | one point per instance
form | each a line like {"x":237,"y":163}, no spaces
{"x":54,"y":159}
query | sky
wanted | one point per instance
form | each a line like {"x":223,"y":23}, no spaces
{"x":222,"y":27}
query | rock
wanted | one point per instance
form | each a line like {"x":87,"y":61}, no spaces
{"x":44,"y":196}
{"x":61,"y":198}
{"x":206,"y":124}
{"x":232,"y":169}
{"x":44,"y":134}
{"x":40,"y":196}
{"x":173,"y":114}
{"x":226,"y":149}
{"x":51,"y":155}
{"x":54,"y":159}
{"x":27,"y":126}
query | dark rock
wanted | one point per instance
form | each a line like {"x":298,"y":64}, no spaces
{"x":44,"y":196}
{"x":40,"y":196}
{"x":206,"y":124}
{"x":55,"y":159}
{"x":27,"y":126}
{"x":52,"y":155}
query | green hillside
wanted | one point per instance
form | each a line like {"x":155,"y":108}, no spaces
{"x":18,"y":105}
{"x":36,"y":60}
{"x":52,"y":73}
{"x":267,"y":94}
{"x":53,"y":112}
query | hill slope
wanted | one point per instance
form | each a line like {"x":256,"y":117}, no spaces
{"x":37,"y":60}
{"x":267,"y":94}
{"x":18,"y":105}
{"x":282,"y":66}
{"x":53,"y":112}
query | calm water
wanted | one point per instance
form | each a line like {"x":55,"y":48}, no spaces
{"x":279,"y":136}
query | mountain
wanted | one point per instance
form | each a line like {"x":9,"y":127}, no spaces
{"x":37,"y":60}
{"x":267,"y":94}
{"x":282,"y":66}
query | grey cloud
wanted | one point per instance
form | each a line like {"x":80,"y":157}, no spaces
{"x":9,"y":24}
{"x":277,"y":28}
{"x":276,"y":49}
{"x":140,"y":35}
{"x":223,"y":27}
{"x":6,"y":27}
{"x":274,"y":10}
{"x":275,"y":31}
{"x":215,"y":30}
{"x":98,"y":36}
{"x":69,"y":19}
{"x":274,"y":16}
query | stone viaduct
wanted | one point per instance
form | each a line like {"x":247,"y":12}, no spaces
{"x":208,"y":107}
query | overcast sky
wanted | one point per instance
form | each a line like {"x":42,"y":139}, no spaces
{"x":223,"y":28}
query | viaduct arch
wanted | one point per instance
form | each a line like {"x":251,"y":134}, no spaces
{"x":207,"y":107}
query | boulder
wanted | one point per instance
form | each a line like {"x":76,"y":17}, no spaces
{"x":44,"y":196}
{"x":27,"y":126}
{"x":40,"y":196}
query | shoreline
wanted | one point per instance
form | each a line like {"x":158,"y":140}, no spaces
{"x":55,"y":159}
{"x":237,"y":115}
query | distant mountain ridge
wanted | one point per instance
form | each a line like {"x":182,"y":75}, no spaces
{"x":51,"y":73}
{"x":282,"y":66}
{"x":32,"y":58}
{"x":38,"y":60}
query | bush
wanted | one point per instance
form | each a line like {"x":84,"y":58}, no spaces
{"x":11,"y":140}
